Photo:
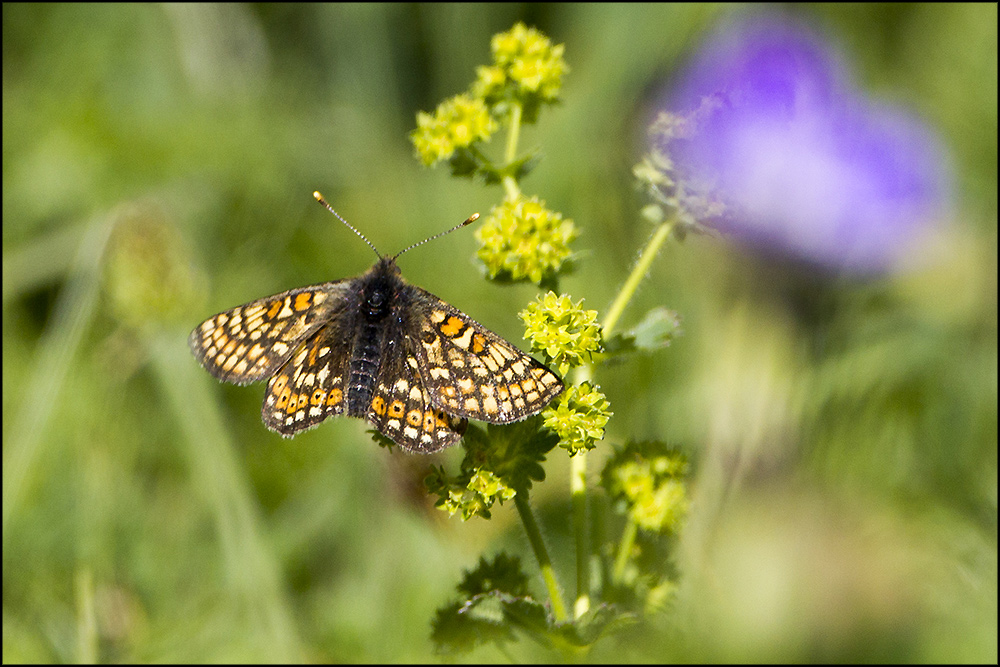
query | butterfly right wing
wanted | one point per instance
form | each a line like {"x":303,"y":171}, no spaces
{"x":472,"y":372}
{"x":401,"y":408}
{"x":249,"y":342}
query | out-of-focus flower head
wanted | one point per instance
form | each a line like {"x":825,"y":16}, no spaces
{"x":457,"y":123}
{"x":802,"y":163}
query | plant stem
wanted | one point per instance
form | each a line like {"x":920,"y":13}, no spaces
{"x":578,"y":464}
{"x":578,"y":489}
{"x":513,"y":134}
{"x":510,"y":186}
{"x":513,"y":191}
{"x":624,"y":550}
{"x":661,"y":234}
{"x":541,"y":553}
{"x":581,"y":520}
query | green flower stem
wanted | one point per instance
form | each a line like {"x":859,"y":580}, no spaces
{"x":578,"y":489}
{"x":578,"y":464}
{"x":514,"y":134}
{"x":581,"y":534}
{"x":511,"y":190}
{"x":624,"y":550}
{"x":661,"y":234}
{"x":510,"y":153}
{"x":542,"y":554}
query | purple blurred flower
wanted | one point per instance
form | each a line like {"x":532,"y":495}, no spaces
{"x":802,"y":162}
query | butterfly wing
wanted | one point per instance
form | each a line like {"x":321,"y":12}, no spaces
{"x":249,"y":342}
{"x":401,"y":407}
{"x":471,"y":372}
{"x":312,"y":383}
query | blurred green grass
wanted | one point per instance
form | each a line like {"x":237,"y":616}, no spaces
{"x":845,"y":435}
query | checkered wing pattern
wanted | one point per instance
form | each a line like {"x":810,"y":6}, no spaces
{"x":250,"y":342}
{"x":311,"y":385}
{"x":402,"y":410}
{"x":471,"y":372}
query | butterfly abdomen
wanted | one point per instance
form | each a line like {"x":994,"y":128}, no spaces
{"x":377,"y":296}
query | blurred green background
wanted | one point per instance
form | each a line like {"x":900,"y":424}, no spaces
{"x":158,"y":165}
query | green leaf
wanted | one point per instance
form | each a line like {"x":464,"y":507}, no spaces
{"x":479,"y":615}
{"x":517,"y":169}
{"x":503,"y":573}
{"x":656,"y":330}
{"x":599,"y":621}
{"x":465,"y":164}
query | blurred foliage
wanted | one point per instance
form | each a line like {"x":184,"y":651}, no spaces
{"x":844,"y":434}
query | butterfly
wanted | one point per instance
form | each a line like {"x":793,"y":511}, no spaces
{"x":377,"y":348}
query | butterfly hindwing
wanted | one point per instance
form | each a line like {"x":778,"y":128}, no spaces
{"x":311,"y":385}
{"x":401,"y":408}
{"x":470,"y":371}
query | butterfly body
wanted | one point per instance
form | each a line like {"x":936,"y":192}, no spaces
{"x":381,"y":300}
{"x":377,"y":348}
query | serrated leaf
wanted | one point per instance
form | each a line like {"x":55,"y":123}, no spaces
{"x":465,"y":164}
{"x":503,"y":573}
{"x":503,"y":612}
{"x":528,"y":614}
{"x":596,"y":623}
{"x":456,"y":631}
{"x":485,"y":608}
{"x":656,"y":330}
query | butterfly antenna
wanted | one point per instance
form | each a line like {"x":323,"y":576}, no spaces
{"x":472,"y":218}
{"x":371,"y":245}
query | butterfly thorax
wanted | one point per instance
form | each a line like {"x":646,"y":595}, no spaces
{"x":380,"y":295}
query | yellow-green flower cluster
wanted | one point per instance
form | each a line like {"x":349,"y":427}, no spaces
{"x":457,"y":123}
{"x":566,"y":333}
{"x":648,"y":479}
{"x":522,"y":239}
{"x":578,"y":417}
{"x":474,"y":498}
{"x":499,"y":462}
{"x":526,"y":66}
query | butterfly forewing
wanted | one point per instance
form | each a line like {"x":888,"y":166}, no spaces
{"x":249,"y":342}
{"x":470,"y":371}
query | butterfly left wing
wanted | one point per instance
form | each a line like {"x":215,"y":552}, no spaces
{"x":470,"y":371}
{"x":248,"y":343}
{"x":312,"y":384}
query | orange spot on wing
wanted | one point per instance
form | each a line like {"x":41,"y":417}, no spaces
{"x":452,"y":326}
